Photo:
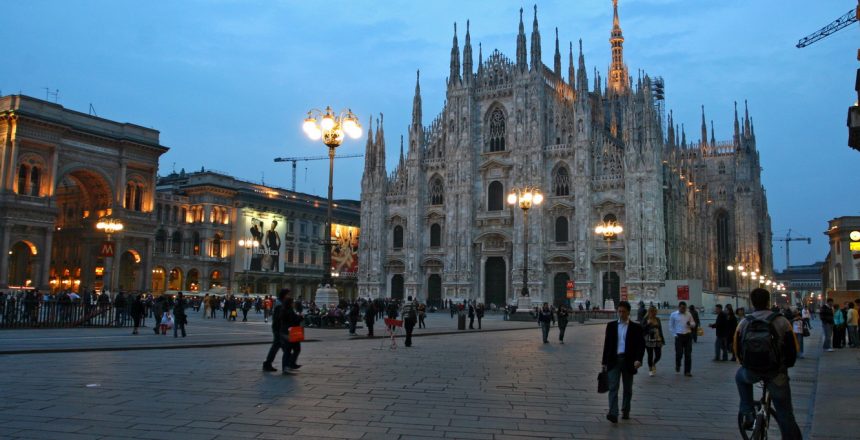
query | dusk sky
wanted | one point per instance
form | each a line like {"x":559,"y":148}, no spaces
{"x":228,"y":82}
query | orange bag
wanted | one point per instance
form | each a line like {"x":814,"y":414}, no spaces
{"x":297,"y":334}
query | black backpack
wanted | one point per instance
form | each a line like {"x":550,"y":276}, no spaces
{"x":761,"y":349}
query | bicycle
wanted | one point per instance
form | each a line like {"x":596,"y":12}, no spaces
{"x":762,"y":412}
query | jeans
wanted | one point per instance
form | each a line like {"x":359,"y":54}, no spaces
{"x":684,"y":347}
{"x":721,"y":345}
{"x":273,"y":350}
{"x":799,"y":337}
{"x":780,"y":394}
{"x":409,"y":325}
{"x":561,"y":329}
{"x":291,"y":352}
{"x":615,"y":377}
{"x":179,"y":322}
{"x":654,"y":355}
{"x":852,"y":335}
{"x":369,"y":324}
{"x":544,"y":327}
{"x":828,"y":334}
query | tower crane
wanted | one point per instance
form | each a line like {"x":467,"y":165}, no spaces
{"x":834,"y":26}
{"x":788,"y":239}
{"x":307,"y":158}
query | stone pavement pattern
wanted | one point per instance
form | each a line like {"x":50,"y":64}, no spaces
{"x":493,"y":385}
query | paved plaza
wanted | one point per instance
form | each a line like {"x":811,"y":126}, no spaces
{"x":473,"y":385}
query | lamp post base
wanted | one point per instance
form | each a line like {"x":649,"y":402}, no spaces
{"x":326,"y":295}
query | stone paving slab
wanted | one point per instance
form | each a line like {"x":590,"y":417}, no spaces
{"x":493,"y":385}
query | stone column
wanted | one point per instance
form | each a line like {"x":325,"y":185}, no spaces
{"x":4,"y":255}
{"x":43,"y":282}
{"x":146,"y":267}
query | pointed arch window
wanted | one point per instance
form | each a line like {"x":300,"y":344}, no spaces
{"x":495,"y":196}
{"x":397,"y":237}
{"x":561,"y":181}
{"x":495,"y":139}
{"x":561,"y":230}
{"x":35,"y":181}
{"x":435,"y":235}
{"x":22,"y":179}
{"x":437,"y":191}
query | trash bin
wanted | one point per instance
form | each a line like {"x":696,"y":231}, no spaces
{"x":461,"y":321}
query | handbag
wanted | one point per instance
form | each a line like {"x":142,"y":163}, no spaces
{"x":602,"y":382}
{"x":700,"y":331}
{"x":297,"y":334}
{"x":232,"y":313}
{"x":805,"y":330}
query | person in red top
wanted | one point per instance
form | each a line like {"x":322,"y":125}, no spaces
{"x":267,"y":308}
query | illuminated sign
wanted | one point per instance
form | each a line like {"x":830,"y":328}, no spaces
{"x":855,"y":246}
{"x":854,"y":235}
{"x":266,"y":230}
{"x":344,"y":250}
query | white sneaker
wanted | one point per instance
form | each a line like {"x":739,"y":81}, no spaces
{"x":652,"y":373}
{"x":829,"y":349}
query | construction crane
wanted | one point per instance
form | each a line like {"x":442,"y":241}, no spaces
{"x":788,"y":239}
{"x":307,"y":158}
{"x":835,"y":26}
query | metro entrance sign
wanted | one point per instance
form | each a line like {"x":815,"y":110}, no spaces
{"x":106,"y":249}
{"x":570,"y":292}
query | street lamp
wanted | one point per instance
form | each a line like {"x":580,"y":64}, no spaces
{"x":331,"y":129}
{"x":609,"y":229}
{"x":109,"y":226}
{"x":525,"y":197}
{"x":250,"y":245}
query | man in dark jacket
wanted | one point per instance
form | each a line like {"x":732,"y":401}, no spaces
{"x":290,"y":318}
{"x":370,"y":317}
{"x":179,"y":317}
{"x":827,"y":323}
{"x":277,"y":316}
{"x":623,"y":349}
{"x":721,"y":326}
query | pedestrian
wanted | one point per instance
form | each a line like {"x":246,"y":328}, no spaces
{"x":353,"y":317}
{"x":851,"y":322}
{"x":654,"y":340}
{"x":623,"y":349}
{"x":179,"y":315}
{"x":640,"y":314}
{"x":157,"y":313}
{"x":695,"y":314}
{"x":722,"y":335}
{"x":765,"y":346}
{"x":682,"y":326}
{"x":206,"y":306}
{"x":370,"y":317}
{"x":471,"y":316}
{"x":798,"y":325}
{"x":562,"y":316}
{"x":119,"y":307}
{"x":276,"y":332}
{"x":479,"y":313}
{"x":137,"y":312}
{"x":732,"y":323}
{"x":545,"y":318}
{"x":246,"y":307}
{"x":166,"y":322}
{"x":410,"y":317}
{"x":422,"y":314}
{"x":267,"y":308}
{"x":826,"y":315}
{"x":838,"y":327}
{"x":289,"y":318}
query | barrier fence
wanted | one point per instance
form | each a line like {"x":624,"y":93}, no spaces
{"x":24,"y":314}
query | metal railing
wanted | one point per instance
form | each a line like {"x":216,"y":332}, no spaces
{"x":29,"y":314}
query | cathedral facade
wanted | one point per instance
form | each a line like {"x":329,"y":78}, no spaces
{"x":438,"y":227}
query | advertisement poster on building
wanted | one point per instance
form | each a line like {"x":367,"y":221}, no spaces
{"x":684,"y":293}
{"x":266,"y":231}
{"x":344,"y":250}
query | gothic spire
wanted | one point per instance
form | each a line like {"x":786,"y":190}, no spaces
{"x":401,"y":151}
{"x":683,"y":137}
{"x":380,"y":144}
{"x":467,"y":57}
{"x":670,"y":137}
{"x":416,"y":101}
{"x":746,"y":119}
{"x":618,"y":78}
{"x":737,"y":135}
{"x":704,"y":128}
{"x":571,"y":72}
{"x":536,"y":57}
{"x":557,"y":58}
{"x":522,"y":64}
{"x":480,"y":60}
{"x":369,"y":156}
{"x":454,"y":77}
{"x":582,"y":75}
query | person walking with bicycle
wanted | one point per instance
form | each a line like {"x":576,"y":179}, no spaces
{"x":766,"y":348}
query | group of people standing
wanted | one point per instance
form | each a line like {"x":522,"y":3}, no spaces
{"x":840,"y":324}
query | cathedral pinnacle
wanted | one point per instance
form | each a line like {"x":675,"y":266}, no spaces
{"x":536,"y":56}
{"x":369,"y":156}
{"x":557,"y":58}
{"x":454,"y":78}
{"x":704,"y":128}
{"x":737,"y":135}
{"x":380,"y":144}
{"x":618,"y":78}
{"x":522,"y":64}
{"x":571,"y":72}
{"x":582,"y":75}
{"x":467,"y":57}
{"x":713,"y":139}
{"x":746,"y":119}
{"x":416,"y":101}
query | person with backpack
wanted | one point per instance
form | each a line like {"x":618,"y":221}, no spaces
{"x":410,"y":317}
{"x":276,"y":332}
{"x":766,"y":348}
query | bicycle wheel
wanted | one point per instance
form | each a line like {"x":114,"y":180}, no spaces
{"x":743,"y":431}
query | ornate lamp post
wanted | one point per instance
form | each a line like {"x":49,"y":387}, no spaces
{"x":331,"y":129}
{"x":525,"y":197}
{"x":249,"y":244}
{"x":109,"y":226}
{"x":609,"y":230}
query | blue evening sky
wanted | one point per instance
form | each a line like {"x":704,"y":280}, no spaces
{"x":227,"y":82}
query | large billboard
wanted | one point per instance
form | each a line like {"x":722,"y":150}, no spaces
{"x":344,"y":250}
{"x":266,"y":231}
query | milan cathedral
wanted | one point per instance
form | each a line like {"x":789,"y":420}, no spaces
{"x":438,"y":227}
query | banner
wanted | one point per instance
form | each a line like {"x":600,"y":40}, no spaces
{"x":266,"y":231}
{"x":683,"y":293}
{"x":344,"y":250}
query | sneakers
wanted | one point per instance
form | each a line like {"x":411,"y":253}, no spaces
{"x":625,"y":415}
{"x":688,"y":374}
{"x":652,"y":372}
{"x":829,"y":349}
{"x":295,"y":367}
{"x":269,"y":367}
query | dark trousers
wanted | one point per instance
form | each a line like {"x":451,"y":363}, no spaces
{"x":544,"y":327}
{"x":471,"y":323}
{"x":409,"y":324}
{"x":273,"y":350}
{"x":369,"y":324}
{"x":179,"y":324}
{"x":561,"y":329}
{"x":780,"y":394}
{"x":352,"y":323}
{"x":244,"y":315}
{"x":479,"y":322}
{"x":291,"y":352}
{"x":684,"y":348}
{"x":421,"y":321}
{"x":721,"y":346}
{"x":616,"y":376}
{"x":839,"y":336}
{"x":654,"y":355}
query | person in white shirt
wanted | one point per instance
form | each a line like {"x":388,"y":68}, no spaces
{"x":682,"y":325}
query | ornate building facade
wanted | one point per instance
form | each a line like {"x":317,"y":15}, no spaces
{"x":437,"y":226}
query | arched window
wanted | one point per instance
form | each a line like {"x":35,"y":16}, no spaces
{"x":561,"y":182}
{"x":437,"y":191}
{"x":216,"y":246}
{"x":723,"y":250}
{"x":138,"y":198}
{"x":129,"y":195}
{"x":435,"y":235}
{"x":35,"y":181}
{"x":22,"y":179}
{"x":195,"y":243}
{"x":721,"y":168}
{"x":495,"y":196}
{"x":176,"y":243}
{"x":561,"y":229}
{"x":397,"y":239}
{"x":161,"y":241}
{"x":495,"y":138}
